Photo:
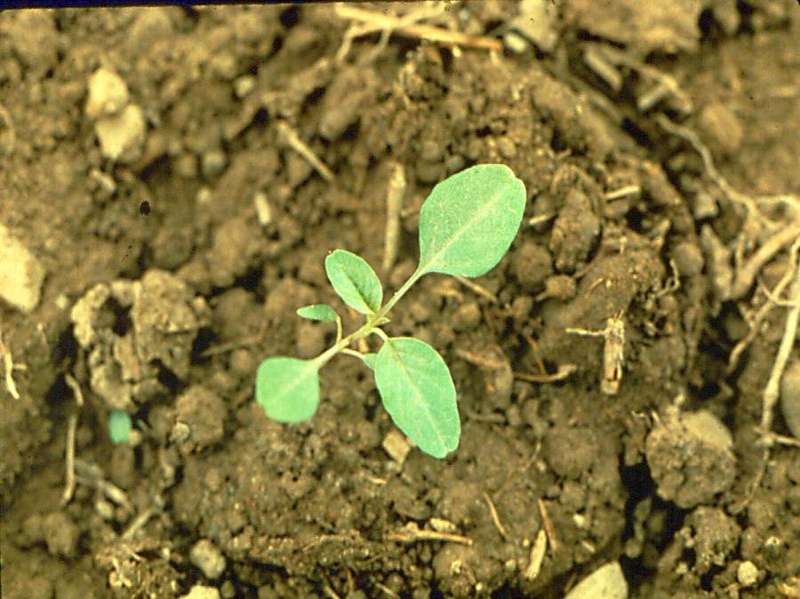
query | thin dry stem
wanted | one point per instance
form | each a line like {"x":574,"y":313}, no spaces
{"x":478,"y":289}
{"x":292,"y":139}
{"x":382,"y":22}
{"x":772,"y":389}
{"x":495,"y":517}
{"x":413,"y":535}
{"x":394,"y":204}
{"x":8,"y":363}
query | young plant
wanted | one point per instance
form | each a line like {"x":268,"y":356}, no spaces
{"x":466,"y":225}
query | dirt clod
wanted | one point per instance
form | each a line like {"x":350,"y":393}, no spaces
{"x":203,"y":413}
{"x":690,"y":458}
{"x":570,"y":451}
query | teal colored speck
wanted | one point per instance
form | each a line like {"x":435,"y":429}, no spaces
{"x":119,"y":426}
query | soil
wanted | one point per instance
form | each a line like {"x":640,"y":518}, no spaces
{"x":163,"y":220}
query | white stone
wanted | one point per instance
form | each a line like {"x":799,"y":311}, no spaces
{"x":607,"y":581}
{"x":201,"y":592}
{"x":205,"y":555}
{"x":108,"y":94}
{"x":747,"y":573}
{"x":21,"y":274}
{"x":122,"y":136}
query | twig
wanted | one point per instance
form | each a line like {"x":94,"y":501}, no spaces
{"x":479,"y":360}
{"x":746,"y":274}
{"x":548,"y":525}
{"x":69,"y":484}
{"x":613,"y":352}
{"x":75,"y":388}
{"x":329,"y":592}
{"x":72,"y":425}
{"x":495,"y":517}
{"x":12,"y":138}
{"x":290,"y":137}
{"x":537,"y":556}
{"x":564,"y":371}
{"x":772,"y":389}
{"x":749,"y":202}
{"x":386,"y":590}
{"x":138,"y":523}
{"x":379,"y":21}
{"x":540,"y":219}
{"x":394,"y":204}
{"x":412,"y":534}
{"x":8,"y":363}
{"x":536,"y":355}
{"x":773,"y":298}
{"x":482,"y":291}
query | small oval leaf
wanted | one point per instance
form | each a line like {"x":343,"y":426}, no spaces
{"x":354,"y":281}
{"x":288,"y":388}
{"x":320,"y":312}
{"x":418,"y":392}
{"x":119,"y":426}
{"x":469,"y":220}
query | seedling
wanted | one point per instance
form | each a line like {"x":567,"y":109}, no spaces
{"x":466,"y":225}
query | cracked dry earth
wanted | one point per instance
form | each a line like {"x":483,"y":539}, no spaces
{"x":172,"y":180}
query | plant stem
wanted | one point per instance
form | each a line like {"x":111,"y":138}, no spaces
{"x":369,"y":326}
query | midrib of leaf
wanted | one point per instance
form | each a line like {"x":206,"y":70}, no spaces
{"x":426,"y":407}
{"x":486,"y":208}
{"x":289,"y":389}
{"x":362,"y":296}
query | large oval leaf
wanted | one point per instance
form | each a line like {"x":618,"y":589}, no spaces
{"x":469,"y":220}
{"x":419,"y":394}
{"x":354,"y":281}
{"x":288,"y":388}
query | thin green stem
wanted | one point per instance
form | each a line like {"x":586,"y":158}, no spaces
{"x":370,"y":326}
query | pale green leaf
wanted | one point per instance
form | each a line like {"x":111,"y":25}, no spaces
{"x":469,"y":220}
{"x":288,"y":388}
{"x":419,"y":394}
{"x":321,"y":312}
{"x":370,"y":359}
{"x":354,"y":281}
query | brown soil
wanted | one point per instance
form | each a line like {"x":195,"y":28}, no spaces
{"x":166,"y":282}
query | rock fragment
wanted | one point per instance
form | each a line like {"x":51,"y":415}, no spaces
{"x":21,"y":274}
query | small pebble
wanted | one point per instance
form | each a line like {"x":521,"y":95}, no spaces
{"x":212,"y":163}
{"x":688,"y":259}
{"x":108,"y":94}
{"x":515,"y":43}
{"x":122,"y":136}
{"x":21,"y":274}
{"x":607,"y":581}
{"x":202,"y":592}
{"x":243,"y":85}
{"x":721,"y":127}
{"x":747,"y":573}
{"x":208,"y":558}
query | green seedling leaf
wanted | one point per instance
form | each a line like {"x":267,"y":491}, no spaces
{"x":419,"y":394}
{"x":288,"y":388}
{"x":119,"y":426}
{"x":370,"y":359}
{"x":469,"y":220}
{"x":321,"y":312}
{"x":355,"y":281}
